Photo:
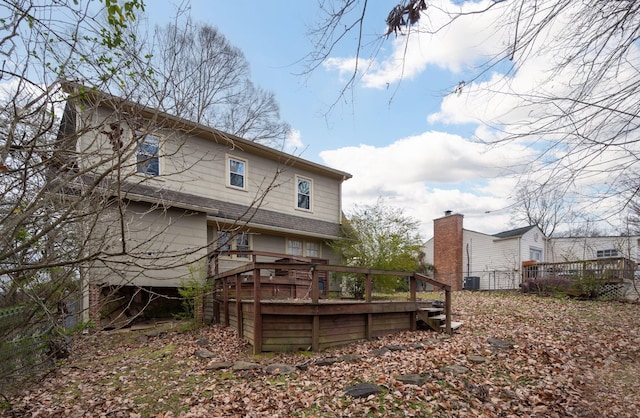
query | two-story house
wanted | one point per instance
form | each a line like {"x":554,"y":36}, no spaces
{"x":168,"y":192}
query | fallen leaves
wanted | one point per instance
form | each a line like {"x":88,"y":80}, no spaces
{"x":557,"y":358}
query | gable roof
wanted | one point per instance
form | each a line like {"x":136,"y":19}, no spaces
{"x":518,"y":232}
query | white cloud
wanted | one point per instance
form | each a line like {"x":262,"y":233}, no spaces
{"x":293,"y":142}
{"x":451,"y":45}
{"x":428,"y":174}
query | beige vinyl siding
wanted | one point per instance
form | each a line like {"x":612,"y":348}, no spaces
{"x":199,"y":167}
{"x":161,"y":245}
{"x":194,"y":165}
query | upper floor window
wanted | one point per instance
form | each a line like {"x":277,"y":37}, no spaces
{"x":607,"y":253}
{"x":237,"y":172}
{"x":148,"y":156}
{"x":535,"y":254}
{"x":303,"y":193}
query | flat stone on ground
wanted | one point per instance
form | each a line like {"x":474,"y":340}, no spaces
{"x":380,"y":351}
{"x":393,"y":347}
{"x":476,"y":359}
{"x":362,"y":390}
{"x":203,"y":353}
{"x":219,"y":365}
{"x":245,"y":365}
{"x":502,"y":344}
{"x":412,"y":379}
{"x":277,"y":368}
{"x":326,"y":361}
{"x":454,"y":369}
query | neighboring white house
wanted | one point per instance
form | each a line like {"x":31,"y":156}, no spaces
{"x":484,"y":261}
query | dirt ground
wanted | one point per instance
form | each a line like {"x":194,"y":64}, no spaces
{"x":516,"y":355}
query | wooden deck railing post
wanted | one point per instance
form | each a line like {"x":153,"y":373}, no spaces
{"x":413,"y":320}
{"x":447,"y":310}
{"x":315,"y":285}
{"x":368,"y":285}
{"x":239,"y":305}
{"x":225,"y":300}
{"x":412,"y":288}
{"x":257,"y":313}
{"x":315,"y":332}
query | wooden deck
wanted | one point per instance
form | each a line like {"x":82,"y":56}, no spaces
{"x":271,"y":318}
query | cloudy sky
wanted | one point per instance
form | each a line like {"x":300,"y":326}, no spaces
{"x":403,"y":132}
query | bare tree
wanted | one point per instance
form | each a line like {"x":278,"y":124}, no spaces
{"x":48,"y":204}
{"x":207,"y":80}
{"x":545,"y":208}
{"x":77,"y":203}
{"x":580,"y":115}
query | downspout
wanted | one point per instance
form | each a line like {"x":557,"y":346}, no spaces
{"x":468,"y":261}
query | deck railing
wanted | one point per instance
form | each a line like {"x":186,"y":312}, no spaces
{"x":610,"y":270}
{"x":230,"y":283}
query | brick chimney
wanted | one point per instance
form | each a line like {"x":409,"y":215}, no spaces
{"x":447,"y":249}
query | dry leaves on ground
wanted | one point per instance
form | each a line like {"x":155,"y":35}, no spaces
{"x":568,"y":358}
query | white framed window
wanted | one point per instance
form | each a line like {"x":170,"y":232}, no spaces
{"x":148,"y":155}
{"x":311,"y":249}
{"x":304,"y":191}
{"x":303,"y":248}
{"x":236,"y":173}
{"x":611,"y":252}
{"x":294,"y":247}
{"x":535,"y":254}
{"x":240,"y":242}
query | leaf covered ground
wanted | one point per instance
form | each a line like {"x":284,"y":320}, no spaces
{"x":567,"y":358}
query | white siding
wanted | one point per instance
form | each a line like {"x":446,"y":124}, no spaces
{"x":585,"y":248}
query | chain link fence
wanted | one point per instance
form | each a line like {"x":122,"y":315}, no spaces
{"x":31,"y":341}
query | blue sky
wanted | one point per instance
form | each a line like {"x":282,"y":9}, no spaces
{"x":402,"y":133}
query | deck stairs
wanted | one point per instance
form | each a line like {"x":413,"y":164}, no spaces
{"x":435,"y":318}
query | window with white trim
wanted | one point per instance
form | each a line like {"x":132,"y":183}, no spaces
{"x":312,"y":249}
{"x":304,"y":188}
{"x":294,"y":247}
{"x":148,"y":155}
{"x":240,"y":242}
{"x":535,"y":254}
{"x":237,"y":173}
{"x":303,"y":248}
{"x":611,"y":252}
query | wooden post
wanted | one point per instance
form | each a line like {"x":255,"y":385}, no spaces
{"x":412,"y":288}
{"x":257,"y":313}
{"x":367,"y":287}
{"x":447,"y":310}
{"x":225,"y":300}
{"x":315,"y":332}
{"x":315,"y":286}
{"x":368,"y":327}
{"x":239,"y":305}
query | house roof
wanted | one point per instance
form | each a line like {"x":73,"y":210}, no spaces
{"x":99,"y":98}
{"x":518,"y":232}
